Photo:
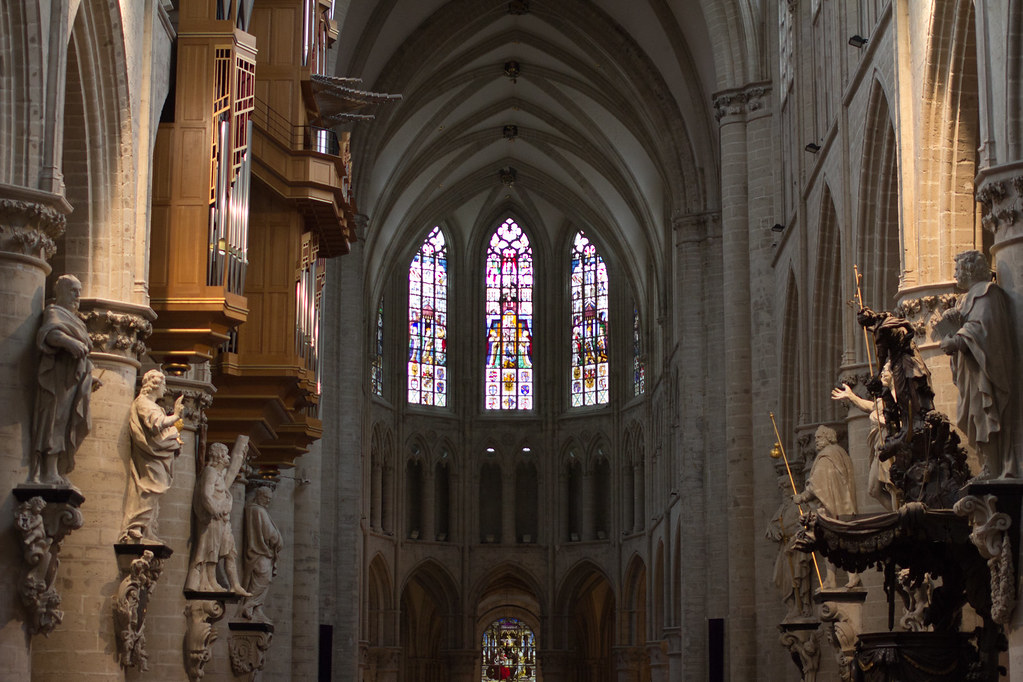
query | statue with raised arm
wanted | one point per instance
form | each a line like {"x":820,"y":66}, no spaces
{"x":978,"y":335}
{"x":212,"y":503}
{"x":156,"y":441}
{"x":65,"y":385}
{"x":263,"y":544}
{"x":879,"y":479}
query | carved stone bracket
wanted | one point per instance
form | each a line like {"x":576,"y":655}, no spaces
{"x":44,"y":517}
{"x":840,"y":625}
{"x":116,"y":327}
{"x":803,"y":644}
{"x":141,"y":566}
{"x":248,"y":645}
{"x":1001,"y":199}
{"x":994,"y":544}
{"x":29,"y":228}
{"x":731,"y":103}
{"x":200,"y":617}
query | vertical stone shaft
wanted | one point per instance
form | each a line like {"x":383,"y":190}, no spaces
{"x":507,"y":505}
{"x":429,"y":504}
{"x":305,"y":548}
{"x":738,"y":436}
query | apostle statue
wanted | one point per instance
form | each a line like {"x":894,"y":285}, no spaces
{"x":977,"y":333}
{"x":791,"y":567}
{"x":156,"y":441}
{"x":65,"y":384}
{"x":212,"y":503}
{"x":263,"y":545}
{"x":831,"y":486}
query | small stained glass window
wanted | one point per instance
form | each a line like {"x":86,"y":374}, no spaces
{"x":427,"y":322}
{"x":589,"y":380}
{"x":509,"y":651}
{"x":377,"y":369}
{"x":508,"y":315}
{"x":638,"y":368}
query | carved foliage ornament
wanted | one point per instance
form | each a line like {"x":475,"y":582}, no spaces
{"x":130,"y":605}
{"x":925,"y":311}
{"x":200,"y":615}
{"x":120,"y":333}
{"x":1000,"y":200}
{"x":29,"y":228}
{"x":992,"y":541}
{"x":42,"y":528}
{"x":248,"y":651}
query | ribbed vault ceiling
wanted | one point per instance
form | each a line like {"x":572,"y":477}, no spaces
{"x":611,"y":103}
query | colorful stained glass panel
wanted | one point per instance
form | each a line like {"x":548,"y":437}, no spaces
{"x":509,"y":652}
{"x":508,"y":316}
{"x":427,"y":315}
{"x":589,"y":373}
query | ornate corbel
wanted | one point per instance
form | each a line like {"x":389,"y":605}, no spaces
{"x":44,"y":517}
{"x":994,"y":544}
{"x":200,"y":617}
{"x":248,"y":645}
{"x":132,"y":601}
{"x":29,"y":226}
{"x":840,"y":626}
{"x":117,"y":328}
{"x":805,"y":648}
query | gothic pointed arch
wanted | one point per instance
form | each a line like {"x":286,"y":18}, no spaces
{"x":632,"y":615}
{"x":588,"y":290}
{"x":584,"y":620}
{"x":791,"y":343}
{"x":828,"y":310}
{"x":429,"y":616}
{"x":379,"y":627}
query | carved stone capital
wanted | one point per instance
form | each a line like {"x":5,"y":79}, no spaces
{"x":116,"y":327}
{"x":657,"y":653}
{"x":994,"y":544}
{"x":29,"y":228}
{"x":248,"y":647}
{"x":43,"y":517}
{"x":200,"y":617}
{"x":757,"y":98}
{"x":1001,"y":199}
{"x":385,"y":658}
{"x":732,"y":103}
{"x":925,"y":311}
{"x":628,"y":657}
{"x":130,"y":605}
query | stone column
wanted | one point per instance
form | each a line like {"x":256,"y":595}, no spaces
{"x":555,"y":665}
{"x":29,"y":222}
{"x":508,"y":505}
{"x":429,"y":504}
{"x":738,"y":447}
{"x":587,"y":531}
{"x":375,"y":503}
{"x":638,"y":497}
{"x":657,"y":652}
{"x":89,"y":570}
{"x":305,"y":549}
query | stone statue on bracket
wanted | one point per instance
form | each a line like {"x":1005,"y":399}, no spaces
{"x":156,"y":439}
{"x":879,"y":478}
{"x":212,"y":503}
{"x":263,"y":544}
{"x":831,"y":486}
{"x":65,"y":385}
{"x":791,"y":567}
{"x":978,"y":335}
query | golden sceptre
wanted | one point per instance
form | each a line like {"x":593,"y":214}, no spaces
{"x":779,"y":451}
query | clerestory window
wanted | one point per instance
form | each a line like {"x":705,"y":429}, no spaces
{"x":427,"y":322}
{"x":589,"y":371}
{"x":508,"y":315}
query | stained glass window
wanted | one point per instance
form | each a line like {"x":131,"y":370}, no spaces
{"x":638,"y":368}
{"x":509,"y":651}
{"x":377,"y":369}
{"x":508,"y":316}
{"x":589,"y":324}
{"x":427,"y":322}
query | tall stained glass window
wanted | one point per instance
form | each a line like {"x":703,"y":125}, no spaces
{"x":589,"y":324}
{"x":509,"y":651}
{"x":638,"y":369}
{"x":377,"y":368}
{"x":427,"y":322}
{"x":509,"y":320}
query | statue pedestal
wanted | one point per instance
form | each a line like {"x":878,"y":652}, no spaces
{"x":140,"y":567}
{"x":248,"y":645}
{"x":202,"y":611}
{"x":44,"y":517}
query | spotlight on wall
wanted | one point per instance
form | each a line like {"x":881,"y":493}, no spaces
{"x":777,"y":227}
{"x":812,"y":147}
{"x":858,"y":41}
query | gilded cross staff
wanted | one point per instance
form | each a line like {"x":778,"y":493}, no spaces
{"x":859,"y":299}
{"x":780,"y":449}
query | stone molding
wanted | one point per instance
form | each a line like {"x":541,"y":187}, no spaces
{"x":989,"y":535}
{"x":742,"y":101}
{"x":130,"y":605}
{"x":117,"y":328}
{"x":44,"y":517}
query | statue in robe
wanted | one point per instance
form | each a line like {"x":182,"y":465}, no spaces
{"x":263,"y":544}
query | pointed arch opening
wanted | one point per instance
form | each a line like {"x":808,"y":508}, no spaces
{"x":428,"y":321}
{"x":589,"y":292}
